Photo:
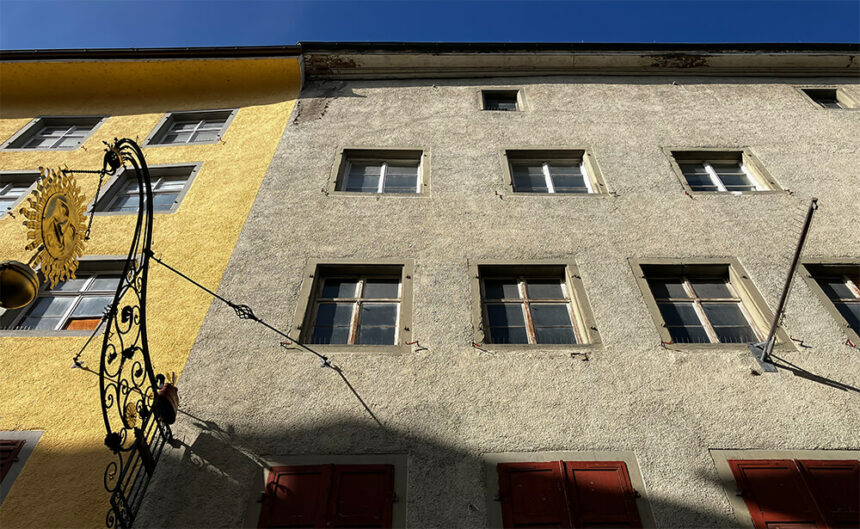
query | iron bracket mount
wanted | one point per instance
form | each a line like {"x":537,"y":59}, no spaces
{"x":758,"y":352}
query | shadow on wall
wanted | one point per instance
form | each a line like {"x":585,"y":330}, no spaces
{"x":214,"y":476}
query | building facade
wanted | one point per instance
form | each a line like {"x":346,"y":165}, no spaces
{"x":539,"y":269}
{"x":209,"y":122}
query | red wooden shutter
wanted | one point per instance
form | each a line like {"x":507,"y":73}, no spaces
{"x":601,"y":494}
{"x":835,"y":486}
{"x":296,"y":496}
{"x":532,"y":494}
{"x":775,"y":494}
{"x":362,"y":496}
{"x":8,"y":455}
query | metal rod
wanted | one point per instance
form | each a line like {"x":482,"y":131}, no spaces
{"x":780,"y":309}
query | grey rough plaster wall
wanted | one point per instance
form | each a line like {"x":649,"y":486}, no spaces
{"x":450,"y":403}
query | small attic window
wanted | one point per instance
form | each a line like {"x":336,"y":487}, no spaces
{"x":501,"y":100}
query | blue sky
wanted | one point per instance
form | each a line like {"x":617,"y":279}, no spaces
{"x":123,"y":23}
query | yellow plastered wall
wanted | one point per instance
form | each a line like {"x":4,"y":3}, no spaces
{"x":61,"y":483}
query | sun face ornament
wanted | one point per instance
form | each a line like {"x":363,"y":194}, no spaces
{"x":56,"y":224}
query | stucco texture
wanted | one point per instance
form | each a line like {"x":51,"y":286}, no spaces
{"x":446,"y":403}
{"x":61,"y":483}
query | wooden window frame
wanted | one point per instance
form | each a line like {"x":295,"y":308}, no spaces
{"x":356,"y":301}
{"x":305,"y":314}
{"x":525,"y":302}
{"x":585,"y":328}
{"x":546,"y":156}
{"x":491,"y":477}
{"x":730,"y":486}
{"x":34,"y":128}
{"x":810,"y":274}
{"x":383,"y":173}
{"x":756,"y":309}
{"x":762,"y":180}
{"x":7,"y":178}
{"x":169,"y":119}
{"x":116,"y":187}
{"x":346,"y":155}
{"x":699,"y":308}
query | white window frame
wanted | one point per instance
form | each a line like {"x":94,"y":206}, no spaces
{"x":80,"y":294}
{"x":20,"y":140}
{"x":116,"y":188}
{"x":170,"y":119}
{"x":383,"y":172}
{"x":547,"y":174}
{"x":715,"y":178}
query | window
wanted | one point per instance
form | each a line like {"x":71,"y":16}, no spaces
{"x":502,"y":100}
{"x":567,"y":494}
{"x":399,"y":172}
{"x":541,"y":171}
{"x":15,"y":448}
{"x":353,"y":305}
{"x":832,"y":98}
{"x":721,"y":172}
{"x":799,"y":492}
{"x":55,"y":133}
{"x":180,"y":128}
{"x":14,"y":187}
{"x":169,"y":185}
{"x":329,"y":496}
{"x":9,"y":450}
{"x":72,"y":305}
{"x":839,"y":286}
{"x":534,"y":304}
{"x":704,"y":302}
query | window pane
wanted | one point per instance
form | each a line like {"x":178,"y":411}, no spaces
{"x":697,"y":177}
{"x":555,"y":335}
{"x":105,"y":283}
{"x":172,"y":184}
{"x":71,"y":285}
{"x":836,"y":288}
{"x":689,"y":335}
{"x":529,"y":179}
{"x":125,"y":203}
{"x":373,"y":314}
{"x":501,"y":289}
{"x":679,"y":314}
{"x":184,"y":126}
{"x":172,"y":137}
{"x":667,"y":288}
{"x":92,"y":306}
{"x":508,"y":335}
{"x":711,"y":288}
{"x":507,"y":315}
{"x":6,"y":203}
{"x":163,"y":201}
{"x":544,"y":289}
{"x":363,"y":178}
{"x":335,"y":335}
{"x":39,"y":142}
{"x":851,"y":313}
{"x":401,"y":179}
{"x":213,"y":123}
{"x":334,"y":314}
{"x":724,"y":314}
{"x":39,"y":323}
{"x":339,"y":288}
{"x":507,"y":102}
{"x":376,"y":335}
{"x":381,"y":288}
{"x":568,"y":179}
{"x":550,"y":315}
{"x":69,"y":141}
{"x":51,"y":307}
{"x":206,"y":135}
{"x":735,"y":334}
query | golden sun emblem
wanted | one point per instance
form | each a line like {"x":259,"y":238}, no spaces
{"x":56,"y":224}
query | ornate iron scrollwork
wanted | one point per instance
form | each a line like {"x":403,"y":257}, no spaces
{"x":136,"y":432}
